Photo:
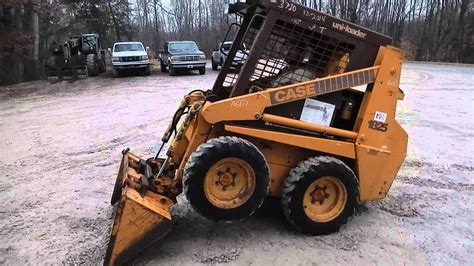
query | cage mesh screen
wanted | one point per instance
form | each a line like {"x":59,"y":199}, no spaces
{"x":249,"y":38}
{"x":294,"y":54}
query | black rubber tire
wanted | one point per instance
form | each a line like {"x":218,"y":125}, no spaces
{"x":102,"y":66}
{"x":202,"y":71}
{"x":214,"y":65}
{"x":115,"y":73}
{"x":147,"y":71}
{"x":163,"y":67}
{"x":209,"y":153}
{"x":172,"y":71}
{"x":301,"y":177}
{"x":92,"y":65}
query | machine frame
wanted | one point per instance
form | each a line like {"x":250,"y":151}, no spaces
{"x":370,"y":141}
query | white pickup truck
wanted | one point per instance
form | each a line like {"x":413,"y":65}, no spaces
{"x":219,"y":55}
{"x":130,"y":55}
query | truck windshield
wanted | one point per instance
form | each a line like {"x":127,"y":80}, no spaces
{"x":122,"y":47}
{"x":88,"y":42}
{"x":183,"y":46}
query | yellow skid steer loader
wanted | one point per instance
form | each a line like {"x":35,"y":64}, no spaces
{"x":308,"y":118}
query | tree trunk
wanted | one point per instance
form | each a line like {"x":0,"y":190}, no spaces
{"x":117,"y":31}
{"x":36,"y":41}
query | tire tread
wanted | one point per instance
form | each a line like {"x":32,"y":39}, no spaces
{"x":291,"y":183}
{"x":215,"y":147}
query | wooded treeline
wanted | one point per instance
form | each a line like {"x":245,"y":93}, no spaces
{"x":427,"y":30}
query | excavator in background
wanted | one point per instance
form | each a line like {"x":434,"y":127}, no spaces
{"x":78,"y":56}
{"x":308,"y":118}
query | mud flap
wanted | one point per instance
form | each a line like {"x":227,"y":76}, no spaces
{"x":139,"y":221}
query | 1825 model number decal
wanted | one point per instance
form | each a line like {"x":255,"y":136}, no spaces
{"x":376,"y":125}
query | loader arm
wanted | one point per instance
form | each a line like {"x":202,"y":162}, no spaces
{"x":251,"y":106}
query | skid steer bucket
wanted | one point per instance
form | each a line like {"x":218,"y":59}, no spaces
{"x":140,"y":218}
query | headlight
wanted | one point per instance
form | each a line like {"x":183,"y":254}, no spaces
{"x":174,"y":58}
{"x":202,"y":57}
{"x":145,"y":57}
{"x":115,"y":59}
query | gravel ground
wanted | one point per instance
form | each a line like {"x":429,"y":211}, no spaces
{"x":61,"y":148}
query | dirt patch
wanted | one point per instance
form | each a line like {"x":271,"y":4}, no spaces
{"x":225,"y":257}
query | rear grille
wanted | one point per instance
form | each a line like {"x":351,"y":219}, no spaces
{"x":130,"y":58}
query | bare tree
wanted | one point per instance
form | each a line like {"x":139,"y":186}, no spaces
{"x":426,"y":29}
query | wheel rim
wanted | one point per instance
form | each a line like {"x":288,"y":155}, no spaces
{"x":325,"y":199}
{"x":229,"y":183}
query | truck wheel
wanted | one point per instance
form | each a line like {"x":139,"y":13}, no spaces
{"x":202,"y":71}
{"x":102,"y":66}
{"x":214,"y":65}
{"x":226,"y":178}
{"x":319,"y":195}
{"x":172,"y":71}
{"x":92,"y":65}
{"x":115,"y":73}
{"x":147,"y":71}
{"x":162,"y":66}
